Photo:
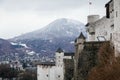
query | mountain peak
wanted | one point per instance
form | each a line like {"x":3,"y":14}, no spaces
{"x":66,"y":20}
{"x":59,"y":33}
{"x":62,"y":27}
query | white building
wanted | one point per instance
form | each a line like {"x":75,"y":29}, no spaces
{"x":101,"y":28}
{"x":16,"y":65}
{"x":53,"y":70}
{"x":45,"y":71}
{"x":108,"y":27}
{"x":116,"y":38}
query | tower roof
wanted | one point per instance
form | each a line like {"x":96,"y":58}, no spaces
{"x":82,"y":36}
{"x":59,"y":50}
{"x":87,"y":24}
{"x":76,"y":40}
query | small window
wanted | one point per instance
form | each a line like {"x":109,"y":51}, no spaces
{"x":113,"y":47}
{"x":105,"y":33}
{"x":58,"y":60}
{"x":110,"y":36}
{"x":47,"y":75}
{"x":116,"y":14}
{"x":112,"y":26}
{"x":58,"y":76}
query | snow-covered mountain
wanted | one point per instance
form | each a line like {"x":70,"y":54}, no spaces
{"x":57,"y":29}
{"x":59,"y":33}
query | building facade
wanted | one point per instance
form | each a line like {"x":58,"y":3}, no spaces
{"x":106,"y":28}
{"x":53,"y":70}
{"x":45,"y":71}
{"x":100,"y":29}
{"x":116,"y":34}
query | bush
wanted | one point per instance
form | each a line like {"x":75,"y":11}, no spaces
{"x":28,"y":76}
{"x":7,"y":72}
{"x":108,"y":67}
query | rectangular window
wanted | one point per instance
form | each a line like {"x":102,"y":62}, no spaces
{"x":110,"y":36}
{"x":107,"y":11}
{"x":116,"y":14}
{"x":47,"y":75}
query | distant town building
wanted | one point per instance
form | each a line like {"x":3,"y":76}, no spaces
{"x":16,"y":65}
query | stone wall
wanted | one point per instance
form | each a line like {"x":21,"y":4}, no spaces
{"x":88,"y":59}
{"x":116,"y":39}
{"x":69,"y":69}
{"x":46,"y":72}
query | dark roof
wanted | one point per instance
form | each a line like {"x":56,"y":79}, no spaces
{"x":76,"y":40}
{"x":47,"y":63}
{"x":59,"y":50}
{"x":82,"y":36}
{"x":87,"y":24}
{"x":69,"y":54}
{"x":108,"y":3}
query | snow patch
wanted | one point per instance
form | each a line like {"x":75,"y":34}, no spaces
{"x":50,"y":41}
{"x":69,"y":33}
{"x":43,"y":50}
{"x":24,"y":45}
{"x":12,"y":43}
{"x":72,"y":42}
{"x":31,"y":53}
{"x":21,"y":44}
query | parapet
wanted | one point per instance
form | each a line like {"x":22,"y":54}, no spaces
{"x":93,"y":18}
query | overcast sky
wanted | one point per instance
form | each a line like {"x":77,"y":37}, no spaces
{"x":20,"y":16}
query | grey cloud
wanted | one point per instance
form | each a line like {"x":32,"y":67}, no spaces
{"x":36,"y":13}
{"x":41,"y":4}
{"x":47,"y":5}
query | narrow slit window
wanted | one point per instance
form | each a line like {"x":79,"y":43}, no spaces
{"x":116,"y":14}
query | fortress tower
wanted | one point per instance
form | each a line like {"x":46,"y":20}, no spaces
{"x":79,"y":45}
{"x":91,"y":27}
{"x":59,"y":55}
